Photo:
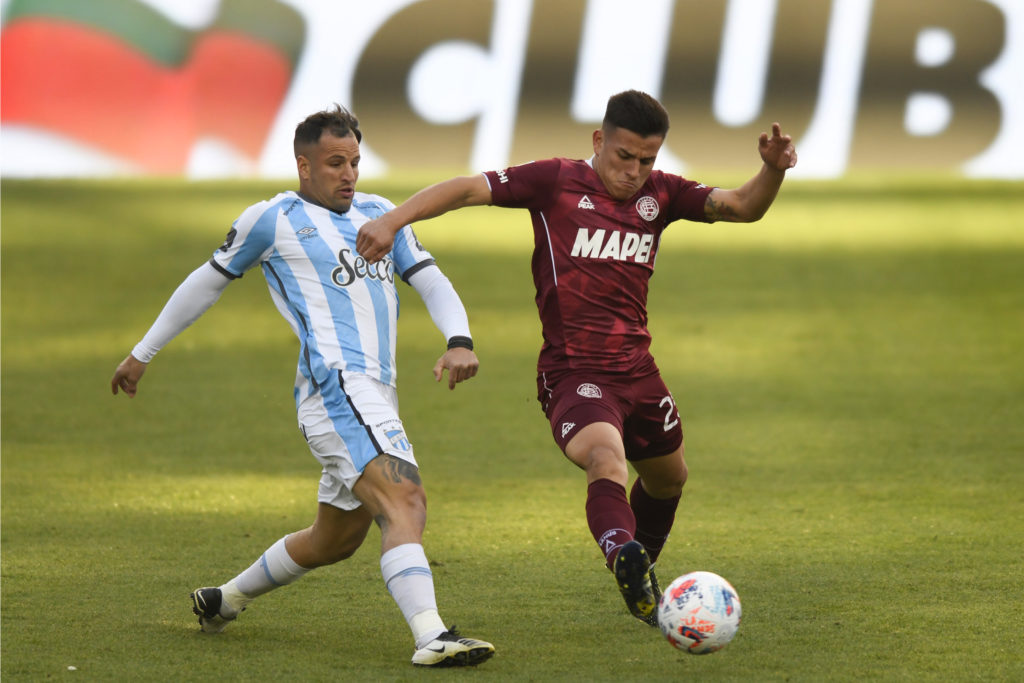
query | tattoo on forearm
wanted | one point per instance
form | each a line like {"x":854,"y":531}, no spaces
{"x":718,"y":210}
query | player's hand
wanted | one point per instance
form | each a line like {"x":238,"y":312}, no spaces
{"x":127,"y":375}
{"x":777,"y":151}
{"x":375,"y":239}
{"x":461,"y":364}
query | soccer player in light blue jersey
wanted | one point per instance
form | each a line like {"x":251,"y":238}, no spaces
{"x":344,"y":311}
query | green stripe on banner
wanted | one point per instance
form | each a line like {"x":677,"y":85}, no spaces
{"x":131,"y":21}
{"x":155,"y":35}
{"x":267,"y":21}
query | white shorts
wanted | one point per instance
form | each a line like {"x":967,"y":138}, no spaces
{"x":348,"y":423}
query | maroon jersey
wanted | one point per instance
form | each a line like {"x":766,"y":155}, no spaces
{"x":593,"y":256}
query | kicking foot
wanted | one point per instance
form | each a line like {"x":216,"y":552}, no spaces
{"x":632,"y":572}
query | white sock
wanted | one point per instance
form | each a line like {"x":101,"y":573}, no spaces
{"x":411,"y":583}
{"x":274,"y":569}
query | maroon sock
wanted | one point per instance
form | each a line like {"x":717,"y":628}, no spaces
{"x":609,"y":517}
{"x":654,"y":517}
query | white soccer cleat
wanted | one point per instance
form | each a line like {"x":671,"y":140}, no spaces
{"x":451,"y":649}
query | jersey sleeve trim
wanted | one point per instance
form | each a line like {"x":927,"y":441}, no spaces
{"x":416,"y":268}
{"x":223,"y":271}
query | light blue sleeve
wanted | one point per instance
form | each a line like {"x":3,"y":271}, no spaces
{"x":250,"y":240}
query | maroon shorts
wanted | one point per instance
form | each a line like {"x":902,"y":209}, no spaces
{"x":641,"y":408}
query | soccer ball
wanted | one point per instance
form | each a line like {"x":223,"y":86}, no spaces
{"x":699,"y":613}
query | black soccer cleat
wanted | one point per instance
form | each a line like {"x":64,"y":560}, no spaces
{"x":632,"y":573}
{"x":206,"y":604}
{"x":652,"y":618}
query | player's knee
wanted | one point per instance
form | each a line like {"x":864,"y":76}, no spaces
{"x":404,"y":505}
{"x":344,"y":550}
{"x":666,"y":483}
{"x":605,"y":462}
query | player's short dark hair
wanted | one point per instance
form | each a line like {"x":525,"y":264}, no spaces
{"x":338,"y":122}
{"x":637,"y":112}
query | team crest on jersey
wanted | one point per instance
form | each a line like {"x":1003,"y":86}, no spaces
{"x":567,"y":427}
{"x":585,"y":203}
{"x":647,"y":207}
{"x":398,"y":439}
{"x":588,"y":390}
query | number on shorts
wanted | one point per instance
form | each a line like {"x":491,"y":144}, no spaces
{"x":669,"y":421}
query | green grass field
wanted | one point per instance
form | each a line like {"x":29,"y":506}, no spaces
{"x":850,"y":371}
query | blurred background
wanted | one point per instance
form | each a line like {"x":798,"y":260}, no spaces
{"x":214,"y":88}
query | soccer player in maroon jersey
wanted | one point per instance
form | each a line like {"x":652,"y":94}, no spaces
{"x":597,"y":225}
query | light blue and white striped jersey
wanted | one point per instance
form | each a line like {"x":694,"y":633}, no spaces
{"x":343,"y":310}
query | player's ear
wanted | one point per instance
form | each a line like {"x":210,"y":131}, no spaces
{"x":598,"y":140}
{"x":302,"y":165}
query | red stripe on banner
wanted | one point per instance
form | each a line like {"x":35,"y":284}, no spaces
{"x":97,"y":89}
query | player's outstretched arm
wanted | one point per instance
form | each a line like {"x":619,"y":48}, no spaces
{"x":376,"y":237}
{"x":191,"y":299}
{"x":127,"y":375}
{"x":461,"y":363}
{"x":751,"y":201}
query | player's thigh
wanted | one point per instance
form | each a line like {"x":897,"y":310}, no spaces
{"x":575,"y":400}
{"x":390,"y":488}
{"x":653,"y":427}
{"x":348,"y":424}
{"x":597,"y":448}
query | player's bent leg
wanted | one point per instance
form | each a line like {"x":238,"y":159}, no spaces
{"x":334,"y":536}
{"x":654,"y":498}
{"x":663,"y":476}
{"x":598,"y":449}
{"x":391,"y":490}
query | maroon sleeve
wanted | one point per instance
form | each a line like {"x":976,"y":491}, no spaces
{"x":527,"y":186}
{"x":686,"y":198}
